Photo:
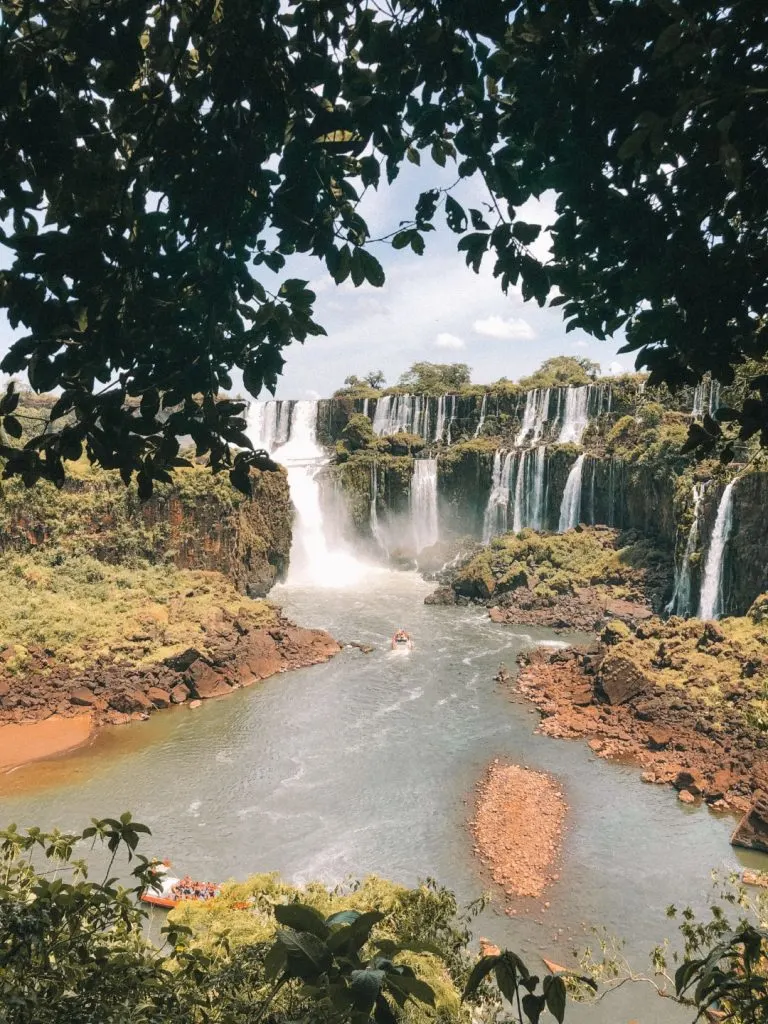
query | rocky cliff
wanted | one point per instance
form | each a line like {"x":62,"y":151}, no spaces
{"x":198,"y":522}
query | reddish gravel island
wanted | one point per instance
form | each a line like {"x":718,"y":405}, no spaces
{"x":518,"y":827}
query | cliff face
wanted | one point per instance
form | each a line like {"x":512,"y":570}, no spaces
{"x":199,"y":522}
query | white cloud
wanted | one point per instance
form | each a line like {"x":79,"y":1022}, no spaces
{"x":513,"y":329}
{"x":445,"y":340}
{"x":614,"y":368}
{"x":580,"y":344}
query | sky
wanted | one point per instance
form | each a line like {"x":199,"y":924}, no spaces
{"x":432,"y":307}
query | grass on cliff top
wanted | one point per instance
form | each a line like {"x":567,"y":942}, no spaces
{"x":562,"y":563}
{"x":715,"y":662}
{"x":80,"y":610}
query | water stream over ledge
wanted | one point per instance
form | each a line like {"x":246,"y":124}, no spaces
{"x":368,"y":763}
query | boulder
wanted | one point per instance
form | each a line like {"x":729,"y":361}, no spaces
{"x":659,"y":738}
{"x":181,"y":662}
{"x":752,"y":830}
{"x":621,"y":679}
{"x":686,"y":797}
{"x":160,"y":698}
{"x":210,"y":684}
{"x":82,"y":697}
{"x":692,"y":781}
{"x":130,"y":702}
{"x":720,"y":783}
{"x":4,"y":689}
{"x":179,"y":693}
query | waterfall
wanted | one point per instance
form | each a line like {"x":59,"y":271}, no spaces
{"x":714,"y":397}
{"x":440,"y":424}
{"x":519,"y":509}
{"x":536,"y":517}
{"x":534,"y":415}
{"x":401,"y":412}
{"x":373,"y":517}
{"x":312,"y":559}
{"x":592,"y":515}
{"x":269,"y":424}
{"x":451,"y":417}
{"x":681,"y":596}
{"x":576,"y":415}
{"x":698,"y":402}
{"x":381,"y":415}
{"x":495,"y":519}
{"x":365,"y":408}
{"x":424,"y":503}
{"x":712,"y":600}
{"x":482,"y":414}
{"x":570,"y":507}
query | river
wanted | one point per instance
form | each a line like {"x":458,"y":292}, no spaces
{"x":368,"y":764}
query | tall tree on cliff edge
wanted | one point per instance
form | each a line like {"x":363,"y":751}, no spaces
{"x":160,"y":157}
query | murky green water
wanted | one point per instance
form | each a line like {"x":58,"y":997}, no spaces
{"x":368,"y":763}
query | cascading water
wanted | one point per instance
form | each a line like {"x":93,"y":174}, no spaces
{"x":440,"y":422}
{"x":481,"y":422}
{"x":394,"y":413}
{"x":269,"y":424}
{"x":570,"y":507}
{"x":312,"y":559}
{"x":423,"y":502}
{"x":712,"y":598}
{"x":451,"y":417}
{"x":575,"y":415}
{"x":681,"y":603}
{"x":495,"y":519}
{"x":536,"y":517}
{"x":519,"y":509}
{"x":373,"y":514}
{"x":381,"y":415}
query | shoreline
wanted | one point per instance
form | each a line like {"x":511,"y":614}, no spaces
{"x":23,"y":743}
{"x":517,"y":828}
{"x":660,"y":732}
{"x":43,"y":715}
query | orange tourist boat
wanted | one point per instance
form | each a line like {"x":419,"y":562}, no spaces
{"x":168,"y":891}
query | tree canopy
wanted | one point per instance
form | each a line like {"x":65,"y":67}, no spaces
{"x":562,"y":371}
{"x":162,"y":162}
{"x":435,"y":378}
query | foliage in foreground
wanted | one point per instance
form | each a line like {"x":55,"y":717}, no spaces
{"x":166,"y":162}
{"x":75,"y":949}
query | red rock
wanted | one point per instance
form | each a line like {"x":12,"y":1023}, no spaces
{"x":721,"y":782}
{"x":658,"y":738}
{"x":130,"y":701}
{"x":621,"y":679}
{"x":4,"y":688}
{"x":752,"y":830}
{"x":212,"y":685}
{"x":690,"y":780}
{"x":160,"y":698}
{"x":82,"y":696}
{"x":179,"y":693}
{"x":195,"y":703}
{"x":685,"y":797}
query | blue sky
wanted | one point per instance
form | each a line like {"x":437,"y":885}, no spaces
{"x":431,"y":307}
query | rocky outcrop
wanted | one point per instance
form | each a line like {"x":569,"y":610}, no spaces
{"x":677,"y":735}
{"x":239,"y":653}
{"x":198,"y":522}
{"x":752,"y":830}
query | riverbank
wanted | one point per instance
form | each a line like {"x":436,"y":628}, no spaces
{"x":113,"y":644}
{"x":518,"y":827}
{"x":698,"y":733}
{"x":33,"y":741}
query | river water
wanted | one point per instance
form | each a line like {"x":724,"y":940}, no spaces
{"x":368,"y":763}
